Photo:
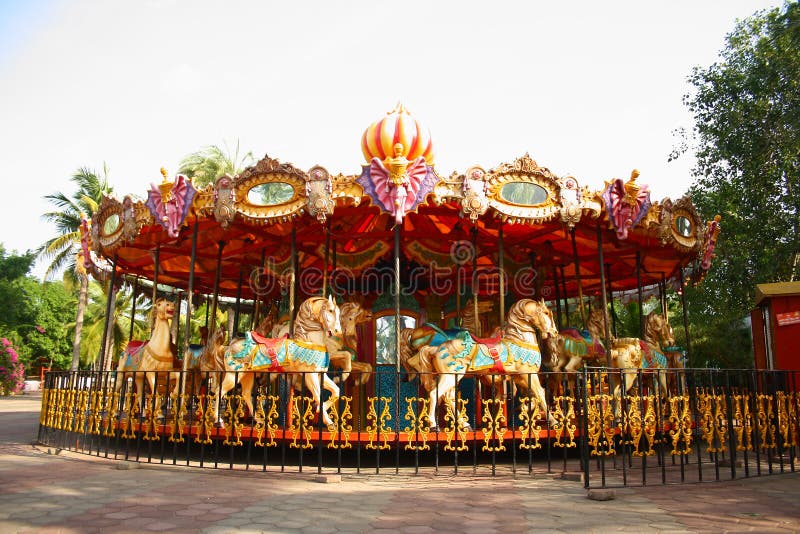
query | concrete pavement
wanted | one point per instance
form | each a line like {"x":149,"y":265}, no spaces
{"x":68,"y":492}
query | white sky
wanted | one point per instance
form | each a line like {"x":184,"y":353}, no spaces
{"x":592,"y":89}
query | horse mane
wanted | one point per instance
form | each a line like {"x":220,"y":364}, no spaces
{"x":307,"y":319}
{"x":517,"y":327}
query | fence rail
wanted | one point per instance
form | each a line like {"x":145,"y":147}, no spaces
{"x":670,"y":426}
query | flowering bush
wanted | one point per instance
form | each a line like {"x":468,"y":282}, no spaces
{"x":12,"y":372}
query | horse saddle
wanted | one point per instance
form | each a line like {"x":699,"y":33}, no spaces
{"x":580,"y":343}
{"x":652,"y":358}
{"x":271,"y":352}
{"x":491,"y":353}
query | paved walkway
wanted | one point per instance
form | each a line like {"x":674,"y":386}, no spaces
{"x":41,"y":492}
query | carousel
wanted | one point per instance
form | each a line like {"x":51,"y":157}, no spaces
{"x":396,"y":310}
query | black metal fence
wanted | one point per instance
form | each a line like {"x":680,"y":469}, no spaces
{"x":673,"y":426}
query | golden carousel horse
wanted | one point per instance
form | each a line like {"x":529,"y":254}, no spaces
{"x":145,"y":359}
{"x":631,"y":354}
{"x":317,"y":319}
{"x":572,"y":348}
{"x":430,"y":335}
{"x":516,"y":353}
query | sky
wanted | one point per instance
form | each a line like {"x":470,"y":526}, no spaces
{"x":591,"y":89}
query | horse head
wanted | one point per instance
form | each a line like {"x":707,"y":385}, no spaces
{"x":540,"y":316}
{"x":658,"y":330}
{"x":329,"y":316}
{"x":352,"y":314}
{"x":164,"y":309}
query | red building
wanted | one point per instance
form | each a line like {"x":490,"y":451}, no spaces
{"x":776,"y":326}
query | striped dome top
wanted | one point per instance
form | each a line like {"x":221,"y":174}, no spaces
{"x":398,"y":126}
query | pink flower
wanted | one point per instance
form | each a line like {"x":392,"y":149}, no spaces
{"x":5,"y":341}
{"x":40,"y":329}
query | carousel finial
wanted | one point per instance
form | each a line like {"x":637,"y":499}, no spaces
{"x":165,"y":186}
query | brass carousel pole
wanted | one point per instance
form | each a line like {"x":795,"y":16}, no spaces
{"x":256,"y":296}
{"x":477,"y":331}
{"x":215,"y":301}
{"x":565,"y":296}
{"x":557,"y":297}
{"x":578,"y":276}
{"x":110,"y":305}
{"x":238,"y":301}
{"x":611,"y":301}
{"x":292,"y":279}
{"x":685,"y":315}
{"x":133,"y":307}
{"x":189,"y":295}
{"x":327,"y":258}
{"x":603,"y":299}
{"x":663,"y":289}
{"x":397,"y":297}
{"x":639,"y":292}
{"x":155,"y":283}
{"x":500,"y":264}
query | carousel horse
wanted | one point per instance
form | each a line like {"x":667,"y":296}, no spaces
{"x":631,"y":354}
{"x":153,"y":356}
{"x":431,"y":336}
{"x":572,"y":348}
{"x":204,"y":358}
{"x":343,"y":350}
{"x":317,"y":319}
{"x":515,"y":353}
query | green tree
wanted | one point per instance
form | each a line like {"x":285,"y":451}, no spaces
{"x":119,"y":323}
{"x":61,"y":250}
{"x":211,"y":162}
{"x":746,"y":141}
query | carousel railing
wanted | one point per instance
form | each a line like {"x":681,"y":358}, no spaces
{"x":694,"y":425}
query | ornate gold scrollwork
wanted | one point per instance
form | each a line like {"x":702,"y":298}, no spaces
{"x":205,"y":416}
{"x":69,"y":413}
{"x":529,"y":414}
{"x":377,"y":426}
{"x":680,"y":418}
{"x":633,"y":425}
{"x":419,"y":425}
{"x":260,"y":418}
{"x":766,"y":429}
{"x":178,"y":413}
{"x":743,"y":422}
{"x":234,"y":417}
{"x":129,"y":410}
{"x":793,"y":412}
{"x":495,"y":427}
{"x":112,"y":411}
{"x":650,"y":422}
{"x":713,"y":420}
{"x":456,"y":424}
{"x":601,"y":425}
{"x":784,"y":423}
{"x":341,"y":424}
{"x":564,"y":421}
{"x":153,"y":402}
{"x":300,"y":426}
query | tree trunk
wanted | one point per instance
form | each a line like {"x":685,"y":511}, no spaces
{"x":76,"y":344}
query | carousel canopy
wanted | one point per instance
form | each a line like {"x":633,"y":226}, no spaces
{"x":454,"y":231}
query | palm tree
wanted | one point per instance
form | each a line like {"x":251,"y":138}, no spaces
{"x":213,"y":161}
{"x":119,"y":322}
{"x":61,"y":250}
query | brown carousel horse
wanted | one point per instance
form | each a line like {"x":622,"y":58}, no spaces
{"x":632,"y":354}
{"x":317,"y":319}
{"x":204,"y":358}
{"x":146,"y":359}
{"x":516,"y":353}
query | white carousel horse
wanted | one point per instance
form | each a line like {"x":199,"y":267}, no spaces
{"x":317,"y":318}
{"x":343,"y":350}
{"x":149,"y":357}
{"x":516,"y":354}
{"x":631,"y":354}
